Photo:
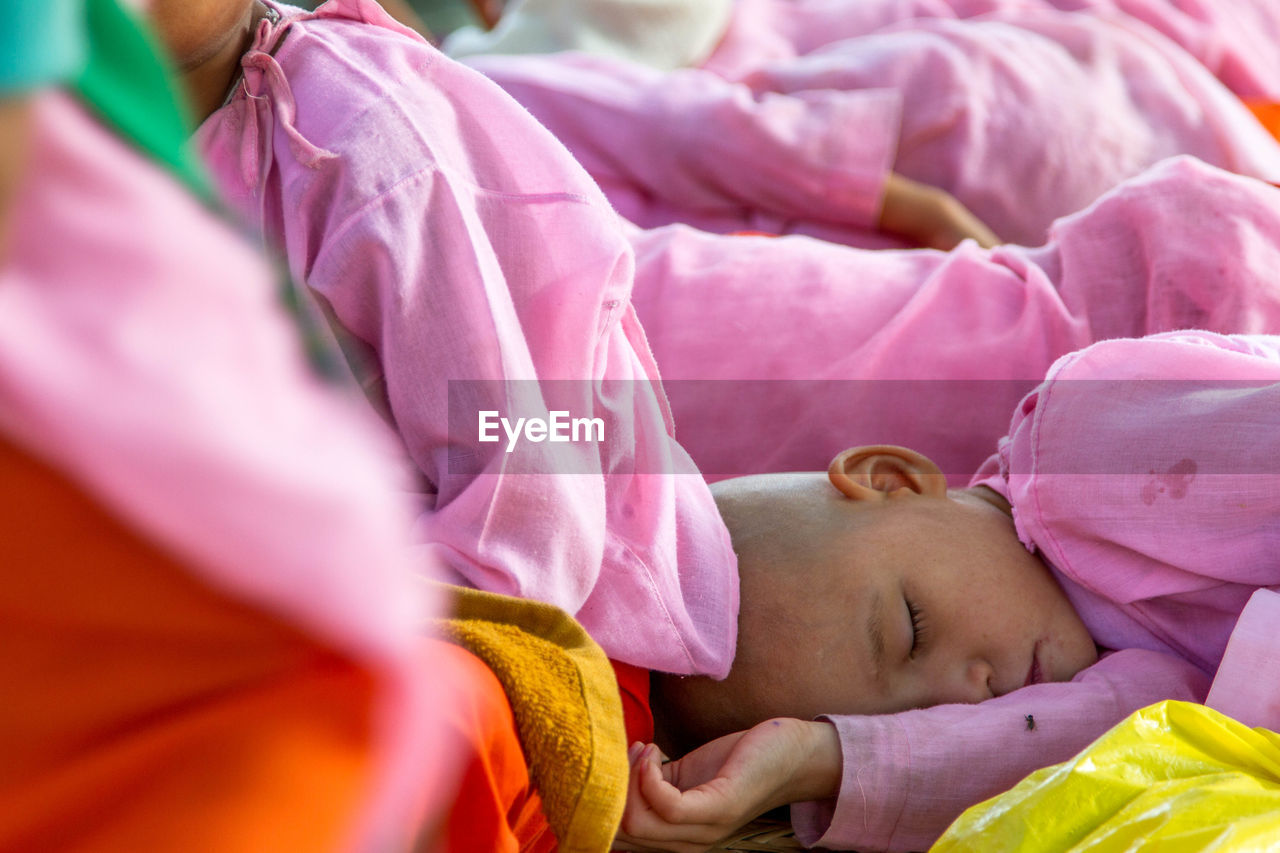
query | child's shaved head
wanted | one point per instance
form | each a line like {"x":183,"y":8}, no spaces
{"x":873,"y":589}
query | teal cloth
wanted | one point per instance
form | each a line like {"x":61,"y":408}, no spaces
{"x":131,"y":88}
{"x":120,"y":73}
{"x":42,"y":43}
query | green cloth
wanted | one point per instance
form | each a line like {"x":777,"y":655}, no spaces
{"x":127,"y":84}
{"x":42,"y":42}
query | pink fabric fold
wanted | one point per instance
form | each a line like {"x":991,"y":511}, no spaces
{"x":1233,"y":39}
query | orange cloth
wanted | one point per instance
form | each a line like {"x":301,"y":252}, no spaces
{"x":633,"y":688}
{"x":143,"y":710}
{"x":496,"y":807}
{"x":1268,"y":113}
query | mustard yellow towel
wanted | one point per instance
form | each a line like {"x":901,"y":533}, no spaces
{"x":565,"y":701}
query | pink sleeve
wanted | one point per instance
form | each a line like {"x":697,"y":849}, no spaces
{"x":908,"y":775}
{"x":708,"y":151}
{"x":472,"y":320}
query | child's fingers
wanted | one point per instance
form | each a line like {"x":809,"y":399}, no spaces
{"x":638,"y":821}
{"x":646,"y":820}
{"x":703,"y":808}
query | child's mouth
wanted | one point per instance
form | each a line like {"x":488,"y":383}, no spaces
{"x":1034,"y":675}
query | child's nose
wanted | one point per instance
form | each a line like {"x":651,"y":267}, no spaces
{"x":978,"y":674}
{"x":960,"y":681}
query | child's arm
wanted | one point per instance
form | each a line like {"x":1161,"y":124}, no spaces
{"x":695,"y":147}
{"x":892,"y":781}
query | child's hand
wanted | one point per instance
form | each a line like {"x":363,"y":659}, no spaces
{"x":689,"y":804}
{"x":929,"y":216}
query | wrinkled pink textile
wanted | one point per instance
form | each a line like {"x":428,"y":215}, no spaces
{"x":1025,"y":115}
{"x":779,"y":353}
{"x":454,"y":240}
{"x":144,"y":354}
{"x":687,"y":146}
{"x":1145,"y":474}
{"x":1233,"y":39}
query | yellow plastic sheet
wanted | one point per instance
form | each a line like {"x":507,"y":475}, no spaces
{"x":1175,"y":777}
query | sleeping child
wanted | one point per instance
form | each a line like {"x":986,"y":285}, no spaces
{"x":1233,"y":39}
{"x":1006,"y":122}
{"x":958,"y":639}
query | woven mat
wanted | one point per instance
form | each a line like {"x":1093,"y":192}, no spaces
{"x":762,"y":835}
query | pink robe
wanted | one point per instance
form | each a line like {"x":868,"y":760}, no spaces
{"x":778,"y":353}
{"x":465,"y":255}
{"x":1233,"y":39}
{"x":1144,"y":473}
{"x":144,"y":355}
{"x":1024,"y":115}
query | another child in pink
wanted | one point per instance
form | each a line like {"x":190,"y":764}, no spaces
{"x":1233,"y":39}
{"x":1133,"y":504}
{"x":1023,"y":115}
{"x":454,"y":241}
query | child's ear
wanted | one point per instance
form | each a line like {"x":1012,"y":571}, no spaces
{"x":876,"y":471}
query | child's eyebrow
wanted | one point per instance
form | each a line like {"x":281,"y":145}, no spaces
{"x":875,"y":633}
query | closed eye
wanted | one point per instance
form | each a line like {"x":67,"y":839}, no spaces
{"x":919,"y":629}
